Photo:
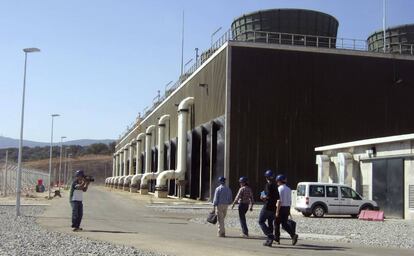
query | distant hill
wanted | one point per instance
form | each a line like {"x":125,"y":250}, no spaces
{"x":6,"y":142}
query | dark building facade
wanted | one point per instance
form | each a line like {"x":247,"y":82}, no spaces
{"x":262,"y":106}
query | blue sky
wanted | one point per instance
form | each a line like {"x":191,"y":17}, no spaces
{"x":102,"y":61}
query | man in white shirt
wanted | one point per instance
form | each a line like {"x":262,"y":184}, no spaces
{"x":79,"y":185}
{"x":283,"y":210}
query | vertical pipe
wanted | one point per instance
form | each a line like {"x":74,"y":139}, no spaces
{"x":138,"y":157}
{"x":113,"y":165}
{"x":130,"y":159}
{"x":124,"y":173}
{"x":148,"y":162}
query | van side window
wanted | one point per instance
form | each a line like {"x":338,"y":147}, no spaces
{"x":317,"y":191}
{"x":301,"y":190}
{"x":346,"y":192}
{"x":331,"y":191}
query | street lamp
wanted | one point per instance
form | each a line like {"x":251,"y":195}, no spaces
{"x":50,"y":155}
{"x":212,"y":35}
{"x":19,"y":161}
{"x":60,"y":161}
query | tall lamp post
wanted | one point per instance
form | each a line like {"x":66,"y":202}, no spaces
{"x":60,"y":161}
{"x":19,"y":161}
{"x":50,"y":155}
{"x":212,"y":35}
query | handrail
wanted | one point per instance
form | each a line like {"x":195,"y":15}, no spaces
{"x":272,"y":38}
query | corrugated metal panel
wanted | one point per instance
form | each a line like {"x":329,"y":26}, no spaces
{"x":209,"y":102}
{"x":285,"y":103}
{"x":411,"y":196}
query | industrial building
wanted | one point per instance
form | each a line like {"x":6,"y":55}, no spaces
{"x":276,"y":86}
{"x":381,"y":169}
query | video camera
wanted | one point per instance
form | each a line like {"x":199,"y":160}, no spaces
{"x":89,"y":178}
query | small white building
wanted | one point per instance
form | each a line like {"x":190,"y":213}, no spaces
{"x":381,"y":169}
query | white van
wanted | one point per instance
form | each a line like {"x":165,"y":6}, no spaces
{"x":329,"y":198}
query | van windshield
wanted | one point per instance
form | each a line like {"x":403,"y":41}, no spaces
{"x":301,"y":190}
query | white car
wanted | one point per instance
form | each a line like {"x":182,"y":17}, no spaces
{"x":329,"y":198}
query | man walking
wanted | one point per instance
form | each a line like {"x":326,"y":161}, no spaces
{"x":222,"y":199}
{"x":269,"y":196}
{"x":283,"y":210}
{"x":79,"y":186}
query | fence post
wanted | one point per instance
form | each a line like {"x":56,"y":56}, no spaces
{"x":254,"y":36}
{"x":280,"y":38}
{"x":411,"y":49}
{"x":317,"y":41}
{"x":5,"y":175}
{"x":267,"y":37}
{"x":293,"y":39}
{"x":305,"y":40}
{"x":329,"y":42}
{"x":400,"y":49}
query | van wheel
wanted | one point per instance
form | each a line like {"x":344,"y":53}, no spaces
{"x":366,"y":208}
{"x":306,"y":214}
{"x":318,"y":211}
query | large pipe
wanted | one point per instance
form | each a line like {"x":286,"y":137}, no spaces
{"x":161,"y":138}
{"x":124,"y":169}
{"x":128,"y":178}
{"x":179,"y":173}
{"x":119,"y":168}
{"x":148,"y":153}
{"x":136,"y":179}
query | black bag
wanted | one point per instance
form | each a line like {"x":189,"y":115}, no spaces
{"x":292,"y":225}
{"x":212,"y":218}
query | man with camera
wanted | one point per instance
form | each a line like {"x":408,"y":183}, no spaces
{"x":79,"y":185}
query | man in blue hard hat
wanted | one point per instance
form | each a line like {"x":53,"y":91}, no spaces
{"x":283,"y":210}
{"x":222,"y":199}
{"x":79,"y":185}
{"x":269,"y":196}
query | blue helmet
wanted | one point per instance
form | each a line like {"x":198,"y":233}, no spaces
{"x":79,"y":173}
{"x":221,"y":179}
{"x":243,"y":179}
{"x":269,"y":174}
{"x":281,"y":177}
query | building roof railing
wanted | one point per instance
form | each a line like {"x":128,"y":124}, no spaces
{"x":271,"y":38}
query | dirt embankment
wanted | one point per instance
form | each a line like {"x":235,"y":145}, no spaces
{"x":99,"y":166}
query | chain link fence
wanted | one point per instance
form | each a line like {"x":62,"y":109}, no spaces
{"x":8,"y":178}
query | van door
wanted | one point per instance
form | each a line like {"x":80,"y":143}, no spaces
{"x":350,"y":201}
{"x":332,"y":199}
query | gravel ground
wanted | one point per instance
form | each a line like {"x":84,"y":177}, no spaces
{"x":390,"y":233}
{"x":25,"y":237}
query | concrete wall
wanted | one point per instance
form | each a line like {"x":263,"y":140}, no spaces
{"x":362,"y":167}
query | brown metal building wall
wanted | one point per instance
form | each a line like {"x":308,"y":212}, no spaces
{"x":208,"y":103}
{"x":285,"y":103}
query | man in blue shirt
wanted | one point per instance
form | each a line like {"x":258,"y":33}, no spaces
{"x":79,"y":186}
{"x":222,"y":199}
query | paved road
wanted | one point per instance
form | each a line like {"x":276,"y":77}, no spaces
{"x":123,"y":218}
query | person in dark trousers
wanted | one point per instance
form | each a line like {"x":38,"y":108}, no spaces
{"x":283,"y":210}
{"x":79,"y":186}
{"x":245,"y":199}
{"x":222,"y":199}
{"x":269,"y":196}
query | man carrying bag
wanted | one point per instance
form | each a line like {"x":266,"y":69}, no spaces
{"x":283,"y":211}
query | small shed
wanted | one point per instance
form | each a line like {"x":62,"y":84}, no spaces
{"x":381,"y":169}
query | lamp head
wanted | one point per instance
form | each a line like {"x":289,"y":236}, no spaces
{"x":28,"y":50}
